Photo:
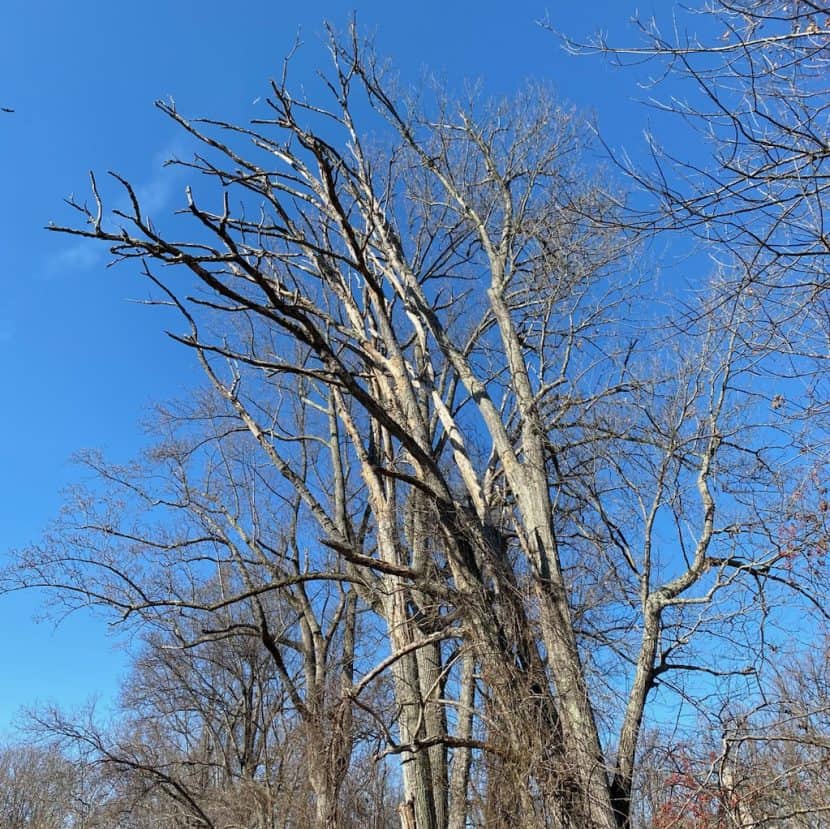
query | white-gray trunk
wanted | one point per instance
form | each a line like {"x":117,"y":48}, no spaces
{"x":462,"y":756}
{"x":415,"y":765}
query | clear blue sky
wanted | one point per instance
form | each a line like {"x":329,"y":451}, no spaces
{"x":79,"y":363}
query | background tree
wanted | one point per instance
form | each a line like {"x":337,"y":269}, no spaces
{"x":200,"y":547}
{"x":41,"y":789}
{"x":751,"y":83}
{"x":752,"y":80}
{"x":739,"y":162}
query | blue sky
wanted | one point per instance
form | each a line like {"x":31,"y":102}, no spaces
{"x":80,"y":363}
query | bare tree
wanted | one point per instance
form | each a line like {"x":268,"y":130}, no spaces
{"x":742,"y":165}
{"x":42,"y":789}
{"x":752,"y":80}
{"x":251,"y":639}
{"x":431,"y":344}
{"x":775,"y":753}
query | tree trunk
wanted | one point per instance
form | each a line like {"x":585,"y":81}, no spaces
{"x":429,"y":676}
{"x":462,"y":756}
{"x":415,"y":765}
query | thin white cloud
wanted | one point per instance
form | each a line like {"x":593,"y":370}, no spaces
{"x":154,"y":195}
{"x":79,"y":256}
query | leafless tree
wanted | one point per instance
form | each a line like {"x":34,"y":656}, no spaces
{"x":250,"y":645}
{"x":437,"y":395}
{"x":775,"y":753}
{"x":739,"y":163}
{"x":751,"y":84}
{"x":42,"y":789}
{"x":752,"y":80}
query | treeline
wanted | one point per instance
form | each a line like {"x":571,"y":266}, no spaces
{"x":198,"y":742}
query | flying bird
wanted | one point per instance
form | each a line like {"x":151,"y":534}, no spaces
{"x":6,"y":109}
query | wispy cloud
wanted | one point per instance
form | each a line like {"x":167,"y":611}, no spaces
{"x":157,"y":192}
{"x":79,"y":256}
{"x":154,"y":194}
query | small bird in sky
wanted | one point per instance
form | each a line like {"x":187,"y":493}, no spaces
{"x":6,"y":109}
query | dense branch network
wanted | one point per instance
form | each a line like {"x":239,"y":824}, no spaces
{"x":457,"y":491}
